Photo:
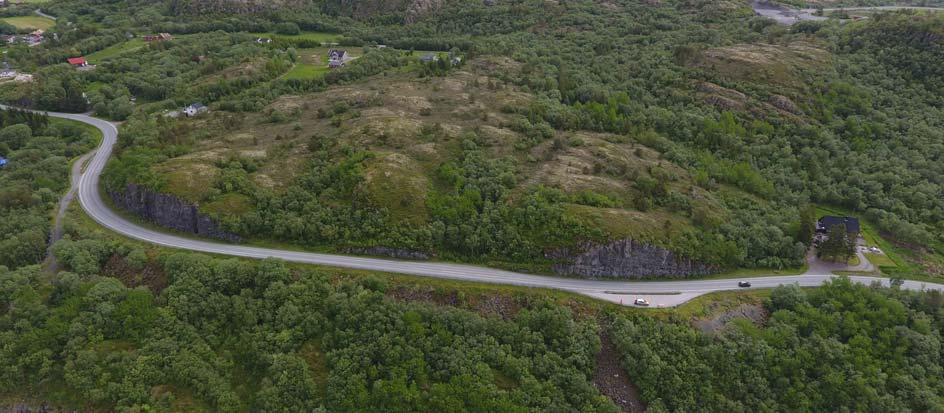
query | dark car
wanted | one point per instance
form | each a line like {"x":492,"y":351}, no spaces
{"x":744,"y":284}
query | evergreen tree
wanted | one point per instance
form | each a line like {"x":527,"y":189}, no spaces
{"x":837,"y":246}
{"x":807,"y":225}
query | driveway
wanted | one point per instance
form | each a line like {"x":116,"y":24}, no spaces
{"x":822,"y":267}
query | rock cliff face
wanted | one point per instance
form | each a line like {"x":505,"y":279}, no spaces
{"x":420,"y":8}
{"x":625,"y":259}
{"x":170,"y":212}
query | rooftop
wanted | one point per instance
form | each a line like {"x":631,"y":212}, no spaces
{"x":851,"y":223}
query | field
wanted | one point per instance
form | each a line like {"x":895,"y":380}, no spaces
{"x":94,"y":86}
{"x":31,"y":22}
{"x":310,"y":36}
{"x":314,"y":61}
{"x":115,"y":50}
{"x":305,"y":71}
{"x":311,"y":63}
{"x":880,"y":260}
{"x":780,"y":66}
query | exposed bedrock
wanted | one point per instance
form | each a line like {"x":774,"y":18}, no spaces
{"x":625,"y":259}
{"x":169,"y":211}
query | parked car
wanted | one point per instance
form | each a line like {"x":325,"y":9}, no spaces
{"x":641,"y":302}
{"x":744,"y":284}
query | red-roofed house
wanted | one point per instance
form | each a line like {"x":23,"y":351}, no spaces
{"x":77,"y":61}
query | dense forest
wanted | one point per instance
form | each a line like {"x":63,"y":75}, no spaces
{"x":227,"y":335}
{"x":843,"y":347}
{"x":38,"y":153}
{"x":207,"y":334}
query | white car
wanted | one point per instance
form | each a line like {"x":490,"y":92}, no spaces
{"x":641,"y":302}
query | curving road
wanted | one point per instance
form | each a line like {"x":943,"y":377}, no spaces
{"x":39,"y":12}
{"x":659,"y":293}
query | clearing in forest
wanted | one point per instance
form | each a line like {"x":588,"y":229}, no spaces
{"x":31,"y":22}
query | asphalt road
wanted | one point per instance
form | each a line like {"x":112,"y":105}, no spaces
{"x":658,"y":293}
{"x":40,"y":13}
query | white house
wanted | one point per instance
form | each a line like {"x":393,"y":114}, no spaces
{"x":6,"y":71}
{"x":195,"y":109}
{"x":337,"y":58}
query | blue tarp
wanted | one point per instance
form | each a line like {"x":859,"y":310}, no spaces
{"x":3,"y":162}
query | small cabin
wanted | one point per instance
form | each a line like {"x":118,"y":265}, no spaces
{"x":77,"y":61}
{"x":158,"y":37}
{"x":195,"y":109}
